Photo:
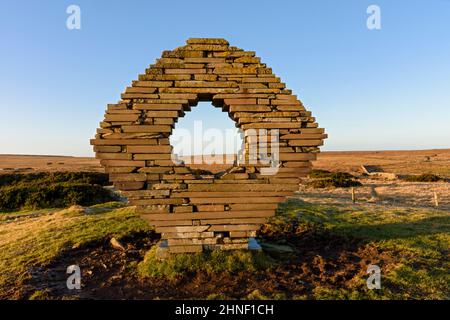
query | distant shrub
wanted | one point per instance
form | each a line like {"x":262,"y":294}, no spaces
{"x":201,"y":172}
{"x":327,"y":179}
{"x":55,"y":195}
{"x":52,"y":190}
{"x":322,"y":174}
{"x":319,"y":174}
{"x":426,"y":177}
{"x":54,"y":177}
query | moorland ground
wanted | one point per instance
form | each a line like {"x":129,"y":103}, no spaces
{"x":435,"y":161}
{"x":396,"y":192}
{"x":318,"y":246}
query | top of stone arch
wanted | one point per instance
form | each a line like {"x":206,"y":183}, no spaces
{"x":211,"y":69}
{"x":207,"y":69}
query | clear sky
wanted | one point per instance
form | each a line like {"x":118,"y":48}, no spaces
{"x":370,"y":89}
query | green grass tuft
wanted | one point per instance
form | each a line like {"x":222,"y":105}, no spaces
{"x":210,"y":262}
{"x":40,"y":295}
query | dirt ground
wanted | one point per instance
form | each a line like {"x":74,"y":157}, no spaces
{"x":106,"y":273}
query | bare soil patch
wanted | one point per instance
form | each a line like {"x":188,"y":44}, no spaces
{"x":320,"y":259}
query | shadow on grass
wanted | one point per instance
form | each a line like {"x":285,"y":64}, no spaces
{"x":355,"y":221}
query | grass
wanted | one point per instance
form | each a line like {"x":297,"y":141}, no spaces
{"x":210,"y":262}
{"x":29,"y":239}
{"x":419,"y":239}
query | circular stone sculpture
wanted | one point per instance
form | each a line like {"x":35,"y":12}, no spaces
{"x":195,"y":212}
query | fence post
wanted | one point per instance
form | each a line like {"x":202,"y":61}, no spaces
{"x":436,"y":200}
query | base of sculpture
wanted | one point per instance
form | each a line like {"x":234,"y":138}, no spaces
{"x":163,"y":249}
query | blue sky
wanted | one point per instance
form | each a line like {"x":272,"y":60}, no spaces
{"x":370,"y":89}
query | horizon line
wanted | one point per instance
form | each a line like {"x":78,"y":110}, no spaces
{"x":197,"y":155}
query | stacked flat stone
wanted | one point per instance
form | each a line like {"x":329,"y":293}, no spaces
{"x":197,"y":212}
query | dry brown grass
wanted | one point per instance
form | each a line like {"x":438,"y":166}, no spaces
{"x":399,"y":162}
{"x":378,"y":191}
{"x":383,"y":192}
{"x":30,"y":163}
{"x":386,"y":192}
